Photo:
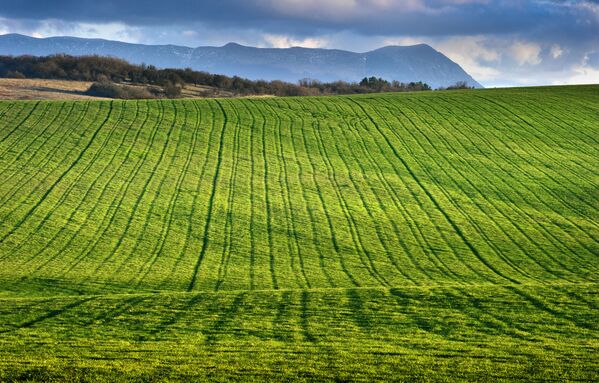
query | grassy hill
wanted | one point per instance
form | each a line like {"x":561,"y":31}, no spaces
{"x":434,"y":236}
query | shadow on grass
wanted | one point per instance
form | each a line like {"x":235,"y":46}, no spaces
{"x":305,"y":319}
{"x":283,"y":310}
{"x":48,"y":89}
{"x":225,"y":318}
{"x":49,"y":315}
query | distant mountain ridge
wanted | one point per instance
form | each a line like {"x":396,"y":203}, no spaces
{"x":403,"y":63}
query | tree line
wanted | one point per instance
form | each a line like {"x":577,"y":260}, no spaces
{"x":110,"y":70}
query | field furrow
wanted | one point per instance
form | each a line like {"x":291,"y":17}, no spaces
{"x":20,"y":179}
{"x":212,"y":197}
{"x":31,"y":210}
{"x":311,"y":243}
{"x":103,"y":215}
{"x":27,"y":110}
{"x":508,"y":206}
{"x":488,"y":210}
{"x":82,"y":213}
{"x":71,"y":192}
{"x":295,"y":249}
{"x":227,"y":247}
{"x":46,"y":123}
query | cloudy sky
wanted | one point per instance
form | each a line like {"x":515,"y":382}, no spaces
{"x":500,"y":43}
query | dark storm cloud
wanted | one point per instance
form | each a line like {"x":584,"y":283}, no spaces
{"x":501,"y":42}
{"x":308,"y":17}
{"x":134,"y":12}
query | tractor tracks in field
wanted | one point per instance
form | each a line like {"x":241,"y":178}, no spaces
{"x":108,"y":217}
{"x":206,"y":236}
{"x":69,"y":189}
{"x":114,"y":171}
{"x":60,"y":178}
{"x":228,"y":229}
{"x":308,"y":209}
{"x":437,"y":204}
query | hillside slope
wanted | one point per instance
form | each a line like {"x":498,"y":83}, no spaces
{"x":438,"y":236}
{"x":405,"y":64}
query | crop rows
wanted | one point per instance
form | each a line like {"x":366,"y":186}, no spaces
{"x":406,"y":227}
{"x":295,"y":193}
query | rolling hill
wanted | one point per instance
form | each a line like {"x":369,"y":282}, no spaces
{"x":405,"y":64}
{"x":433,"y":236}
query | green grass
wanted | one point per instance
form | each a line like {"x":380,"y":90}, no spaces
{"x":438,"y":236}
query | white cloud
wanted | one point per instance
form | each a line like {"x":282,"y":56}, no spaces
{"x":110,"y":31}
{"x":526,"y":53}
{"x":556,"y":51}
{"x":283,"y":41}
{"x":471,"y":53}
{"x":505,"y":61}
{"x":3,"y":29}
{"x":589,"y":6}
{"x":583,"y":75}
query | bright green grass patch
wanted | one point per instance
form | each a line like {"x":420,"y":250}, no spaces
{"x":427,"y":236}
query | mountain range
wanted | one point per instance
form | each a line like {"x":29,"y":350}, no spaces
{"x":403,"y":63}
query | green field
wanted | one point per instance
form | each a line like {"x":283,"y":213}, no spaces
{"x":432,"y":236}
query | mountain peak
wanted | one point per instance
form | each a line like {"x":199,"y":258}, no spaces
{"x":232,"y":45}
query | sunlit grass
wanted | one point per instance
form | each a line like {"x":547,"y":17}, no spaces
{"x":426,"y":236}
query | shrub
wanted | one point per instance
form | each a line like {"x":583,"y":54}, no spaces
{"x":172,"y":90}
{"x":459,"y":85}
{"x":112,"y":90}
